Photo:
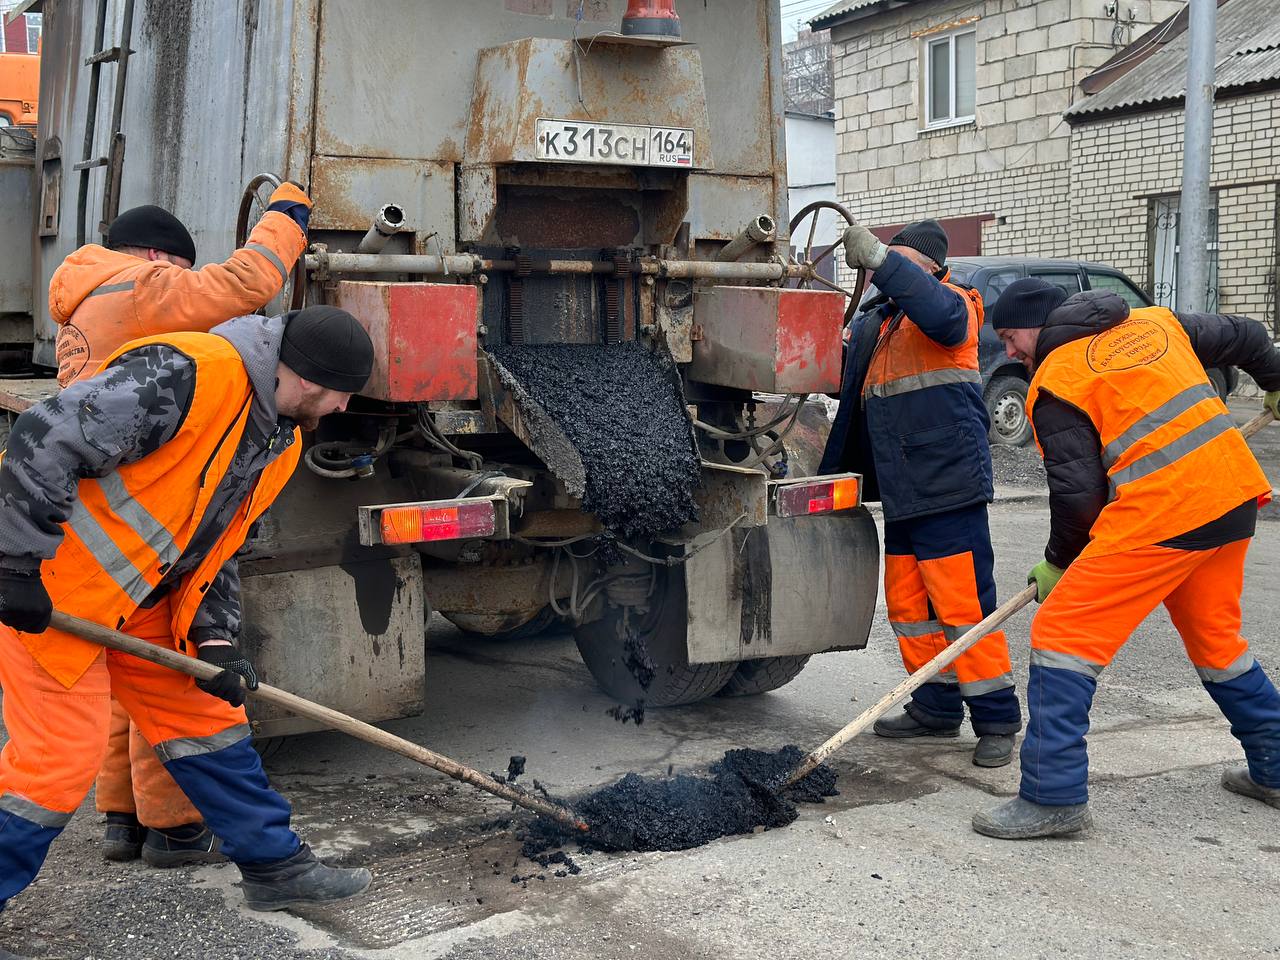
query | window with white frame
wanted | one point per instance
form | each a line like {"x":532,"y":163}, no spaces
{"x":949,"y":78}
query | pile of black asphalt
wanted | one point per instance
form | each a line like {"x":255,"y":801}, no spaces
{"x":742,"y":793}
{"x":610,"y":421}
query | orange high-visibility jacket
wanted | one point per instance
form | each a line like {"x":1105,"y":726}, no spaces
{"x":103,"y":298}
{"x":128,"y":527}
{"x":1174,"y":459}
{"x":907,"y":359}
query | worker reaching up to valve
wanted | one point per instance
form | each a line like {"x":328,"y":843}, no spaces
{"x":124,"y":500}
{"x":1153,"y":498}
{"x":141,"y":284}
{"x":912,"y":422}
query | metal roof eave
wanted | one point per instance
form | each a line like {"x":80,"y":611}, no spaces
{"x":1099,"y":114}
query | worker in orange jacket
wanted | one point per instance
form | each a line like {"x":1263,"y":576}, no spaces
{"x":125,"y":501}
{"x":1153,"y":498}
{"x":141,"y":283}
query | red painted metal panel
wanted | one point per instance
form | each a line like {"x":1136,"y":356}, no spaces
{"x":808,"y":358}
{"x":424,"y":338}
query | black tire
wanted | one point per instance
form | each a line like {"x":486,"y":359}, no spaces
{"x":761,"y":676}
{"x":1006,"y":399}
{"x":268,"y":747}
{"x":675,"y":680}
{"x":6,"y":422}
{"x":1219,"y":381}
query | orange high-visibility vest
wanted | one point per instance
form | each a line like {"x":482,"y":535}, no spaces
{"x":129,"y":527}
{"x":907,"y":359}
{"x":1174,"y":459}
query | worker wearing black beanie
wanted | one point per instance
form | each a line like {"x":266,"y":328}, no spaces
{"x":328,"y":347}
{"x":1026,"y":303}
{"x":151,"y":228}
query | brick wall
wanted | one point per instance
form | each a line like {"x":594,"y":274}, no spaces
{"x":1118,"y":166}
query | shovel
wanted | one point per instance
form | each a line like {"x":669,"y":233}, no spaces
{"x":944,"y":659}
{"x":114,"y":640}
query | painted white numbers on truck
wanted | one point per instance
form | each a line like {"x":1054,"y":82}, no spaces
{"x":575,"y":141}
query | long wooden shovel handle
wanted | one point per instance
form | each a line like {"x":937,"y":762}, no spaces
{"x":1257,"y":423}
{"x":917,"y":679}
{"x":96,"y":633}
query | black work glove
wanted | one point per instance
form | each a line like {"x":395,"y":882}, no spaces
{"x":226,"y":685}
{"x":24,"y":602}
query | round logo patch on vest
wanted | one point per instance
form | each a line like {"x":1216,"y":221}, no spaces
{"x":71,"y":351}
{"x":1130,"y":344}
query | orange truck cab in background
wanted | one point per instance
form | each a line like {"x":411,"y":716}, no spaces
{"x":19,"y":88}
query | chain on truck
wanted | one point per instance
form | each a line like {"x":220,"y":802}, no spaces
{"x":523,"y":174}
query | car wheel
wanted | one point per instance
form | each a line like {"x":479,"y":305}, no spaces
{"x":1006,"y":399}
{"x":1219,"y":381}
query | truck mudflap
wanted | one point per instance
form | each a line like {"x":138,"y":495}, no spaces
{"x":798,"y":585}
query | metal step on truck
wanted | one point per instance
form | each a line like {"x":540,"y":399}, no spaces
{"x":564,"y":223}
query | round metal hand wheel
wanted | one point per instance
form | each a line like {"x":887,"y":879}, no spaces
{"x":804,"y":255}
{"x":253,"y":205}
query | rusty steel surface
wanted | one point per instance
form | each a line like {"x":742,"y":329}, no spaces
{"x":17,"y":213}
{"x":522,"y":586}
{"x":424,"y":338}
{"x":352,"y":189}
{"x":769,"y":339}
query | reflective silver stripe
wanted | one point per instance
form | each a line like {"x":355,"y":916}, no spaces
{"x":112,"y":288}
{"x":976,"y":688}
{"x":24,"y":808}
{"x":199,"y":746}
{"x":946,"y":679}
{"x":1065,"y":661}
{"x":147,"y":527}
{"x":1174,"y":450}
{"x":954,"y":633}
{"x":270,"y":255}
{"x":1161,"y":415}
{"x":1242,"y":665}
{"x":128,"y":577}
{"x":922,"y":628}
{"x":919,"y":381}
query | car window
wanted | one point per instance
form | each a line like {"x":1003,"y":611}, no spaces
{"x":1069,"y":282}
{"x":1114,"y":284}
{"x":997,"y":283}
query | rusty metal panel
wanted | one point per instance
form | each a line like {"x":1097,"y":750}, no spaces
{"x":17,"y":213}
{"x":519,"y":83}
{"x":424,"y":338}
{"x":719,"y":206}
{"x":771,"y":339}
{"x":348,"y":191}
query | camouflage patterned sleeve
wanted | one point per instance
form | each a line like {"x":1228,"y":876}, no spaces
{"x":116,"y":416}
{"x":219,"y":614}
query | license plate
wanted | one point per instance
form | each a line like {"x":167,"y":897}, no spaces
{"x":573,"y":141}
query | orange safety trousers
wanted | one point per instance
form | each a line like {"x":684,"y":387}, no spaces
{"x":58,"y":736}
{"x":938,"y":583}
{"x":1089,"y":616}
{"x":133,"y":780}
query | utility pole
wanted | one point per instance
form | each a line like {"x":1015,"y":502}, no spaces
{"x":1193,"y":209}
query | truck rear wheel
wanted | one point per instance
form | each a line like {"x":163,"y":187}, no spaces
{"x":763,"y":675}
{"x":620,"y":645}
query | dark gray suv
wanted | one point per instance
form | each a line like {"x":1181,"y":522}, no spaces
{"x":1004,"y":381}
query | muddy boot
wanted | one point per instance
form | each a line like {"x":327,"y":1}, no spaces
{"x":993,"y":750}
{"x":299,"y":880}
{"x":181,"y":846}
{"x":1238,"y":780}
{"x":906,"y":725}
{"x":1021,"y":820}
{"x":122,"y":840}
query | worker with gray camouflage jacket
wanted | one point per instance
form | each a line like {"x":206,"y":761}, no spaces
{"x":125,"y":500}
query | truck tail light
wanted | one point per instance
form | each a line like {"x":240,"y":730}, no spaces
{"x":819,"y":496}
{"x":425,"y":522}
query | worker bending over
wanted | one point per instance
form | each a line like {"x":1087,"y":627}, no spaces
{"x":139,"y":285}
{"x":912,"y":422}
{"x":124,"y":501}
{"x":1153,"y":498}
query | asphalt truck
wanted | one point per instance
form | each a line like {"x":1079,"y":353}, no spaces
{"x":564,"y":224}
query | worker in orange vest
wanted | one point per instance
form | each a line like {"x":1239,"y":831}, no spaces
{"x":913,"y":423}
{"x":1153,"y":498}
{"x":140,"y":284}
{"x":126,"y":498}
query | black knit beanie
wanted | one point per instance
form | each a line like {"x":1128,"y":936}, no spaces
{"x":1026,"y":303}
{"x":152,"y":227}
{"x":327,"y":346}
{"x":927,"y":236}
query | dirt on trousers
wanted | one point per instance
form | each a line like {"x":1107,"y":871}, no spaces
{"x":610,"y":422}
{"x":742,"y":792}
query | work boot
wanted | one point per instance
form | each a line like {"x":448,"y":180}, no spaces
{"x":905,"y":725}
{"x":993,"y":750}
{"x":181,"y":846}
{"x":1022,"y":820}
{"x":299,"y":880}
{"x":1238,"y":780}
{"x":121,"y":841}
